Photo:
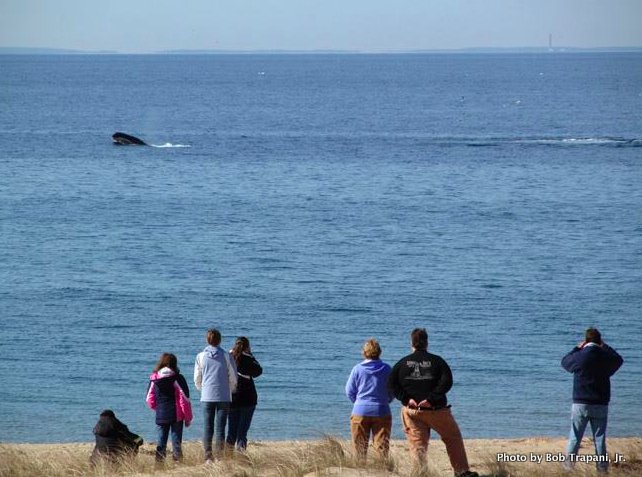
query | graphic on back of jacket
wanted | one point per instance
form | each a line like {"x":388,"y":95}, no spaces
{"x":421,"y":370}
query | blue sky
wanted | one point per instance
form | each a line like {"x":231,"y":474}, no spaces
{"x":371,"y":25}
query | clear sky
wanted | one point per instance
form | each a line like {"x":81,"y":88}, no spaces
{"x":372,"y":25}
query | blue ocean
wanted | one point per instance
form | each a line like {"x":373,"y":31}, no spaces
{"x":310,"y":202}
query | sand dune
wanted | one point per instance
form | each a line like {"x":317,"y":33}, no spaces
{"x":327,"y":457}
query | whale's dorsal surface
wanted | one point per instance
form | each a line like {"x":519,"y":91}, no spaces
{"x":122,"y":139}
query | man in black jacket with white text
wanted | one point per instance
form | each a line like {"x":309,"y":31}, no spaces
{"x":420,"y":381}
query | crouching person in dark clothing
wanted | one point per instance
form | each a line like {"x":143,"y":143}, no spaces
{"x":113,"y":439}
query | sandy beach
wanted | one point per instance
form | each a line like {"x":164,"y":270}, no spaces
{"x":536,"y":456}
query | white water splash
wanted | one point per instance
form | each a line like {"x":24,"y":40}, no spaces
{"x":592,"y":140}
{"x":169,"y":144}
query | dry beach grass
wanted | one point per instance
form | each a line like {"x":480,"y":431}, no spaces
{"x":328,"y":457}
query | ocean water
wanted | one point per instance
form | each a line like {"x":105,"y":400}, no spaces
{"x":310,"y":202}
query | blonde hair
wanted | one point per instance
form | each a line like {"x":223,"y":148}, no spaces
{"x":371,"y":349}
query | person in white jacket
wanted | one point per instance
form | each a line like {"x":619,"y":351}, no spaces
{"x":215,"y":376}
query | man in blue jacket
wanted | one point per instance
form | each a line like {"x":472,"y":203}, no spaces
{"x":592,"y":363}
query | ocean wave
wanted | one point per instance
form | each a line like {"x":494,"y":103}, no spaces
{"x":428,"y":139}
{"x":555,"y":141}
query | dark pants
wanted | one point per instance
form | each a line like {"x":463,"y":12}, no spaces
{"x":215,"y":414}
{"x":240,"y":419}
{"x":164,"y":430}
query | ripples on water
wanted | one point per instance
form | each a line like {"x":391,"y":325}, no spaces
{"x":325,"y":201}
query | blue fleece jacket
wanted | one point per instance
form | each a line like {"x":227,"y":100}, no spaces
{"x":366,"y":388}
{"x":592,"y":367}
{"x":215,"y":375}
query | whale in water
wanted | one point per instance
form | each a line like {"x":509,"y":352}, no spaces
{"x":122,"y":139}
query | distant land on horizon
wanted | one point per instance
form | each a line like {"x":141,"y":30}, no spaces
{"x":536,"y":49}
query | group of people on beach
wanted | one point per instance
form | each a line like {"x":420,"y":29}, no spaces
{"x":420,"y":381}
{"x":228,"y":394}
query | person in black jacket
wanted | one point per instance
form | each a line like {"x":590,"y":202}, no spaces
{"x":420,"y":381}
{"x":113,"y":439}
{"x":244,"y":399}
{"x":592,"y":363}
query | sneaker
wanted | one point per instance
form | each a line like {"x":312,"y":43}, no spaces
{"x":466,"y":473}
{"x":209,"y":462}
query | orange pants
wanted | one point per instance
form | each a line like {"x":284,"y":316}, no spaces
{"x":417,"y":426}
{"x":362,"y":426}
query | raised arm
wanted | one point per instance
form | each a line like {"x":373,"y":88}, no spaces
{"x":570,"y":361}
{"x":254,"y":369}
{"x":615,"y":359}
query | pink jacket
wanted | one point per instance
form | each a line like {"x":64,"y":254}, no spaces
{"x":182,"y":402}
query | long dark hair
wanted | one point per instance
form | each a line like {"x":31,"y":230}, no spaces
{"x":167,"y":360}
{"x":240,"y":345}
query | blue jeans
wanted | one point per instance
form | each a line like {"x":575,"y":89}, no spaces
{"x":240,"y":419}
{"x":176,"y":429}
{"x":581,"y":415}
{"x":215,"y":414}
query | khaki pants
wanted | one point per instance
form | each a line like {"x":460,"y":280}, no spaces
{"x":362,"y":426}
{"x":417,"y":426}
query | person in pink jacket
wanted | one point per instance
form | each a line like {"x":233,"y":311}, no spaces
{"x":168,"y":395}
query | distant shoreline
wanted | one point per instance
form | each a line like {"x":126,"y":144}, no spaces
{"x":461,"y":51}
